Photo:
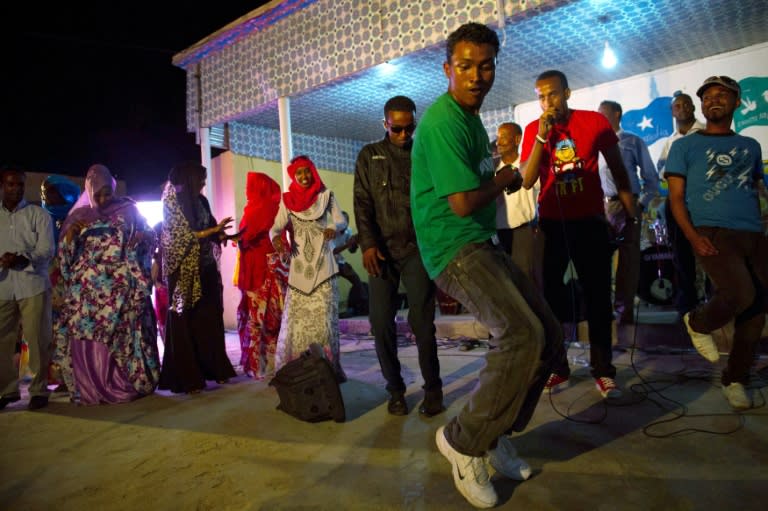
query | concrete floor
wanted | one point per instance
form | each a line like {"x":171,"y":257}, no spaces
{"x":672,"y":443}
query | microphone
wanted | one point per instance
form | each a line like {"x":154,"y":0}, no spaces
{"x":514,"y":185}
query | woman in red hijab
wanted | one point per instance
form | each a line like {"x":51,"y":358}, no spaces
{"x":261,"y":276}
{"x":311,"y":311}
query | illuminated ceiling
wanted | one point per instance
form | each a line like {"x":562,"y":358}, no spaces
{"x":645,"y":34}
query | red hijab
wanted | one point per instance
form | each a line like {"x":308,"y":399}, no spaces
{"x":263,"y":196}
{"x":298,"y":198}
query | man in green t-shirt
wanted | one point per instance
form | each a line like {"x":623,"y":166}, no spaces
{"x":453,"y":202}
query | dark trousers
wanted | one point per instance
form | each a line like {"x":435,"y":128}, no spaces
{"x":525,"y":245}
{"x":627,"y":239}
{"x":686,"y":296}
{"x":586,"y":243}
{"x":384,"y":303}
{"x":358,"y":299}
{"x":195,"y":349}
{"x":739,"y":275}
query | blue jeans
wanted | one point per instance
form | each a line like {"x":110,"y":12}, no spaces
{"x":527,"y":338}
{"x":384,"y":301}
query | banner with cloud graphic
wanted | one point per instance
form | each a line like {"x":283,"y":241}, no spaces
{"x":753,"y":110}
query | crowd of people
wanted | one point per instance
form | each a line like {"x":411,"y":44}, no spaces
{"x":436,"y":211}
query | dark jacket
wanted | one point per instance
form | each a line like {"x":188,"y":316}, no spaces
{"x":382,"y":198}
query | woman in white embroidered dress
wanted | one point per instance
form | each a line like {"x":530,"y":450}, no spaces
{"x":311,"y":310}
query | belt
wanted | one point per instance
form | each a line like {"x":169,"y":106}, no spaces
{"x":613,"y":198}
{"x":480,"y":244}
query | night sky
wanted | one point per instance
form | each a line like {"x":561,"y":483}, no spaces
{"x":96,"y":84}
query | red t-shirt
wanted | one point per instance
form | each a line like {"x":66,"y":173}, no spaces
{"x":570,"y":180}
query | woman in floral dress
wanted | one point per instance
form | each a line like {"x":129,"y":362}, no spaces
{"x":106,"y":338}
{"x":311,"y":311}
{"x":261,"y":276}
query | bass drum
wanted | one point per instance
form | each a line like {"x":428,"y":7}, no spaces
{"x":656,"y":282}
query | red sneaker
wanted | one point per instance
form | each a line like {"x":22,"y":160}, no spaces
{"x":554,"y":381}
{"x":607,"y":387}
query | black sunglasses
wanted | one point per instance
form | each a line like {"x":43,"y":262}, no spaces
{"x":399,"y":129}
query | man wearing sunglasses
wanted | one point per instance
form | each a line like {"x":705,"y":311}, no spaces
{"x":715,"y":179}
{"x":390,"y":255}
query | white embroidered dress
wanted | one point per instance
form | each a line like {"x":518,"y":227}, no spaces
{"x":311,"y":309}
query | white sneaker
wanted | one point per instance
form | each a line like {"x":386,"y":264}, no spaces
{"x":469,"y":474}
{"x":737,"y":396}
{"x":505,"y":461}
{"x":704,"y":343}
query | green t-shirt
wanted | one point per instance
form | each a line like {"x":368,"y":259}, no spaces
{"x":451,"y":153}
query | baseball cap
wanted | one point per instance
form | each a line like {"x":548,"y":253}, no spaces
{"x":725,"y":81}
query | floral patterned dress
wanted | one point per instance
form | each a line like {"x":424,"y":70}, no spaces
{"x":258,"y":320}
{"x":106,"y":336}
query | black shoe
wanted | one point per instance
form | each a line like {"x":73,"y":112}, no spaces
{"x":397,"y":405}
{"x":37,"y":402}
{"x":432,"y":404}
{"x":5,"y":401}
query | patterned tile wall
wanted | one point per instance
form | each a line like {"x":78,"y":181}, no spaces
{"x":324,"y":41}
{"x":328,"y":56}
{"x":492,"y":118}
{"x":327,"y":153}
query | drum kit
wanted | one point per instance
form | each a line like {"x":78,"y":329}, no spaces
{"x":656,"y":282}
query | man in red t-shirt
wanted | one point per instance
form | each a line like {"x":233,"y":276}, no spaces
{"x":562,"y":148}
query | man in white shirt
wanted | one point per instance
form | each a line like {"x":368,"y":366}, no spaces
{"x":26,"y":238}
{"x":683,"y":260}
{"x":516,"y":212}
{"x":683,"y":111}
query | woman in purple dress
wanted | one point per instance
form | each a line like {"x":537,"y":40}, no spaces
{"x":106,"y":337}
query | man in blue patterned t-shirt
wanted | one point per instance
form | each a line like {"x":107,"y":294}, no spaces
{"x":715,"y":177}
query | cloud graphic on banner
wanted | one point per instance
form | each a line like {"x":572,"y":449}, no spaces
{"x":652,"y":122}
{"x":754,"y":103}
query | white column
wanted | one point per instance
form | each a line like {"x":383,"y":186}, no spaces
{"x":204,"y":134}
{"x":286,"y":141}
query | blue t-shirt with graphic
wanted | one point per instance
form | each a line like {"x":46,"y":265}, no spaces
{"x":721,"y":174}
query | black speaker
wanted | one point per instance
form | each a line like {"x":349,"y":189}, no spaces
{"x":308,"y":388}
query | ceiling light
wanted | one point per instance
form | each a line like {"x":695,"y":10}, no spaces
{"x":609,"y":57}
{"x":387,"y":69}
